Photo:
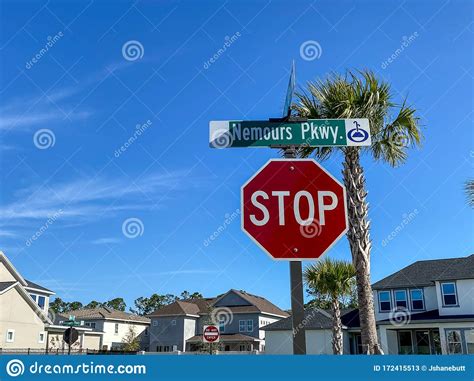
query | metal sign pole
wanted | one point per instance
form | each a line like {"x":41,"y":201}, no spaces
{"x":296,"y":284}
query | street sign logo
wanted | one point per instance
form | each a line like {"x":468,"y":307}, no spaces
{"x":358,"y":134}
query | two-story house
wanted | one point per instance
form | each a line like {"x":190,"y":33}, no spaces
{"x":240,"y":315}
{"x":25,"y":322}
{"x":113,"y":324}
{"x":425,"y":308}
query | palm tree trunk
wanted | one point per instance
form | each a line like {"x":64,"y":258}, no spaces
{"x":359,"y":240}
{"x":337,"y":344}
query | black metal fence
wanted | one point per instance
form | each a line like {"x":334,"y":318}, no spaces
{"x":62,"y":351}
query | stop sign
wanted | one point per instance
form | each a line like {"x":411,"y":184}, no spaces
{"x":294,"y":209}
{"x":210,"y":334}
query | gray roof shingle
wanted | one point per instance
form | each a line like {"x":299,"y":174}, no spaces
{"x":313,"y":319}
{"x":425,"y":273}
{"x":37,"y":286}
{"x":5,"y":285}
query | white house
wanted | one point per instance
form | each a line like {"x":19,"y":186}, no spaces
{"x":113,"y":324}
{"x":425,"y":308}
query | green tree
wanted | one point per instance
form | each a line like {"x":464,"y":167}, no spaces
{"x":185,"y":295}
{"x":394,"y":129}
{"x":93,"y":304}
{"x":145,"y":306}
{"x":131,"y":341}
{"x":57,"y":305}
{"x":333,"y":279}
{"x":73,"y":306}
{"x":116,"y":304}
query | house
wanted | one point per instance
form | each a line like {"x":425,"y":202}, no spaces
{"x":25,"y":323}
{"x":114,"y":325}
{"x":241,"y":316}
{"x":318,"y":333}
{"x":425,"y":308}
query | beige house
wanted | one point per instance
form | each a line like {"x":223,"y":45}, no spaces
{"x":24,"y":320}
{"x":113,"y":325}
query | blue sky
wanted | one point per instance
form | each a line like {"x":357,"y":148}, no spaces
{"x":89,"y":98}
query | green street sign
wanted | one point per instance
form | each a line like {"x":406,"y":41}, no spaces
{"x":310,"y":133}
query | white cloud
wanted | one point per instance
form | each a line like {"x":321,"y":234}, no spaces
{"x":84,"y":199}
{"x":106,"y":241}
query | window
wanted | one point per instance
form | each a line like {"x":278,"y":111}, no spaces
{"x":249,"y":325}
{"x":417,"y":302}
{"x":167,"y":348}
{"x":116,"y":328}
{"x":401,"y":299}
{"x":173,"y":322}
{"x":10,"y":336}
{"x":159,"y":348}
{"x":405,"y":343}
{"x":384,"y":301}
{"x":448,"y":291}
{"x":470,"y":341}
{"x":41,"y":337}
{"x":41,"y":302}
{"x":146,"y":331}
{"x":222,"y":324}
{"x":155,"y":323}
{"x":33,"y":296}
{"x":241,"y":325}
{"x":454,"y":342}
{"x":90,"y":324}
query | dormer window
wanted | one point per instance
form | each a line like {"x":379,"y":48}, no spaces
{"x":448,"y":292}
{"x":401,"y":299}
{"x":385,"y":304}
{"x":417,"y":301}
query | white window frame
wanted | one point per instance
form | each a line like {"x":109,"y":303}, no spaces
{"x":222,"y":324}
{"x":42,"y":333}
{"x":155,"y":323}
{"x":173,"y":322}
{"x":455,"y":294}
{"x":12,"y":340}
{"x":422,"y":299}
{"x":242,"y":323}
{"x":251,"y":324}
{"x":389,"y":300}
{"x":395,"y":298}
{"x":460,"y":342}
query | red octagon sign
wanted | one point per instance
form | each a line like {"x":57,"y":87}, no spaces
{"x":294,"y":209}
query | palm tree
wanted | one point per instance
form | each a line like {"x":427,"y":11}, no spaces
{"x":361,"y":95}
{"x":333,"y":279}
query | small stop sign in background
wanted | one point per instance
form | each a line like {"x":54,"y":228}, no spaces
{"x":294,"y":209}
